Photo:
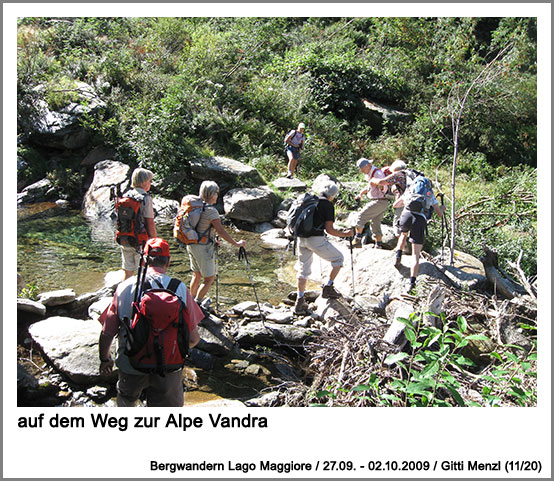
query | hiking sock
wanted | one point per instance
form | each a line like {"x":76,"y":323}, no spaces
{"x":299,"y":295}
{"x":412,"y":283}
{"x":329,"y":283}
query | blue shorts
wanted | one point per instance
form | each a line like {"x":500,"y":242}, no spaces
{"x":295,"y":151}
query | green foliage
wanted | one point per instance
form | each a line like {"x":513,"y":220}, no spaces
{"x":29,"y":292}
{"x":67,"y":182}
{"x":179,"y":88}
{"x":427,"y":375}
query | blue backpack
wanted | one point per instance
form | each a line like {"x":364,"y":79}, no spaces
{"x":420,"y":196}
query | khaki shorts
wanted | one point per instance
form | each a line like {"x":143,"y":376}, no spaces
{"x":202,"y":258}
{"x":166,"y":391}
{"x":320,"y":245}
{"x":130,"y":258}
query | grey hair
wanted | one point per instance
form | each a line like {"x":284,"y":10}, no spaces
{"x":207,"y":189}
{"x":140,"y":177}
{"x":328,"y":189}
{"x":398,"y":165}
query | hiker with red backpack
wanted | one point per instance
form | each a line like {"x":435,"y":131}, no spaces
{"x":418,"y":203}
{"x":202,"y":250}
{"x":155,"y":319}
{"x":312,"y":240}
{"x":374,"y":210}
{"x":135,"y":220}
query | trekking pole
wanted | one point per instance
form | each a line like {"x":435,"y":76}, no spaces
{"x":352,"y":263}
{"x":216,"y":276}
{"x":242,"y":254}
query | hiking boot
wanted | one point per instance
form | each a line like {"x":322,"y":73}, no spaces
{"x":411,"y":288}
{"x":398,"y":260}
{"x":379,"y":245}
{"x":329,"y":292}
{"x":301,"y":306}
{"x":357,"y":242}
{"x":289,"y":176}
{"x":206,"y":303}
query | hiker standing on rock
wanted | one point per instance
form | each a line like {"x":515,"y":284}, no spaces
{"x":202,"y":255}
{"x":145,"y":228}
{"x":417,"y":201}
{"x":316,"y":242}
{"x":374,"y":210}
{"x":396,"y":181}
{"x":161,"y":390}
{"x":294,"y":142}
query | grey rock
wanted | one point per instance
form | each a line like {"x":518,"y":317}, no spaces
{"x":57,"y":298}
{"x":225,"y":170}
{"x":293,"y":185}
{"x":98,"y":307}
{"x":254,"y":333}
{"x":33,"y":307}
{"x":251,"y":205}
{"x":71,"y":345}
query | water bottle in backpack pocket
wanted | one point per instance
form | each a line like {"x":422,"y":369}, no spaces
{"x":188,"y":216}
{"x":158,"y":336}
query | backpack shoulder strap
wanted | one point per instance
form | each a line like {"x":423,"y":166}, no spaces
{"x":173,"y":285}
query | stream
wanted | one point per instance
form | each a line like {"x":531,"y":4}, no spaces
{"x":58,"y":248}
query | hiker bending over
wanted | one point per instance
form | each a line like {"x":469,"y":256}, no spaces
{"x":396,"y":182}
{"x":317,"y":242}
{"x":141,"y":181}
{"x":294,"y":141}
{"x":161,"y":390}
{"x":374,"y":210}
{"x":413,"y":222}
{"x":202,"y":255}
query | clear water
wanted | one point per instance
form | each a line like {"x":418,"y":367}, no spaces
{"x":59,"y":249}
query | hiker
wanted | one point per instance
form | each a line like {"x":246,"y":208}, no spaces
{"x":294,"y":143}
{"x":396,"y":181}
{"x":202,"y":255}
{"x":141,"y":181}
{"x":161,"y":390}
{"x":317,"y":242}
{"x":413,"y":222}
{"x":374,"y":210}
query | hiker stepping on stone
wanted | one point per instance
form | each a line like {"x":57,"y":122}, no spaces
{"x":418,"y":202}
{"x":202,"y":249}
{"x":294,"y":142}
{"x":374,"y":210}
{"x":312,"y":240}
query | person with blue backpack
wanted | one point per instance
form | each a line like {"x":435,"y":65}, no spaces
{"x":418,"y":202}
{"x":314,"y":241}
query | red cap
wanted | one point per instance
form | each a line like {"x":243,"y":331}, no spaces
{"x":156,"y":246}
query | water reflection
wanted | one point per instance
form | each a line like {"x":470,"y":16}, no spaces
{"x":58,"y":248}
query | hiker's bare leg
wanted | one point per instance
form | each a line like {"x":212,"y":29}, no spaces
{"x":292,"y":163}
{"x":401,"y":241}
{"x":195,"y":283}
{"x":301,"y":285}
{"x":416,"y":253}
{"x":334,"y":271}
{"x":205,"y":287}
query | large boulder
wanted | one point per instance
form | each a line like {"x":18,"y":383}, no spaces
{"x":227,"y":172}
{"x":252,"y":205}
{"x":107,"y":174}
{"x":270,"y":334}
{"x":63,"y":128}
{"x":71,"y":346}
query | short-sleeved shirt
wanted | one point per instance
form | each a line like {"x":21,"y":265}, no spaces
{"x":325,"y":211}
{"x":375,"y":192}
{"x":147,"y":207}
{"x":121,"y":307}
{"x":297,"y":138}
{"x":208,"y":215}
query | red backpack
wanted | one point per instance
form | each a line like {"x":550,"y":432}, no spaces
{"x":130,"y":229}
{"x":158,"y":335}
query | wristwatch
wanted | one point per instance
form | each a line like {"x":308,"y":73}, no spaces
{"x":105,"y":360}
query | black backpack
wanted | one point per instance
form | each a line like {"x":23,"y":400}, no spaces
{"x":300,"y":217}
